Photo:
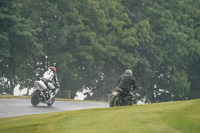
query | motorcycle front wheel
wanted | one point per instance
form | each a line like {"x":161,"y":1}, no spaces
{"x":115,"y":101}
{"x":35,"y":98}
{"x":51,"y":101}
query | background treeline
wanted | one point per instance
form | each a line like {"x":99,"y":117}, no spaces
{"x":92,"y":42}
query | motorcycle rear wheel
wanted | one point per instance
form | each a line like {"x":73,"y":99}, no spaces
{"x":35,"y":98}
{"x":114,"y":102}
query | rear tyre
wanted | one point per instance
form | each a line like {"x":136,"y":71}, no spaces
{"x":51,"y":102}
{"x":114,"y":102}
{"x":35,"y":98}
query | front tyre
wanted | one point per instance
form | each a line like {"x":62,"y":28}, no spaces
{"x":51,"y":101}
{"x":35,"y":98}
{"x":115,"y":101}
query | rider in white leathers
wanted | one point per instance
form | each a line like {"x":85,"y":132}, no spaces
{"x":50,"y":80}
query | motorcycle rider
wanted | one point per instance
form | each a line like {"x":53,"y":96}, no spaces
{"x":51,"y":81}
{"x":124,"y":84}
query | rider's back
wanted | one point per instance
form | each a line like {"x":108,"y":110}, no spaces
{"x":125,"y":82}
{"x":48,"y":75}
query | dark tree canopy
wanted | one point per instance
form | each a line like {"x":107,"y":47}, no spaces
{"x":92,"y":42}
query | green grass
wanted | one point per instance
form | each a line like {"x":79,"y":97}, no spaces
{"x":169,"y":117}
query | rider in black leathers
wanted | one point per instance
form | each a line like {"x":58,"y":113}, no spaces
{"x":125,"y":83}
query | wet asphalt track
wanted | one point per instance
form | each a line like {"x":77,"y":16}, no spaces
{"x":20,"y":107}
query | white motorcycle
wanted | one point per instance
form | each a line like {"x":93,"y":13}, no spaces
{"x":43,"y":94}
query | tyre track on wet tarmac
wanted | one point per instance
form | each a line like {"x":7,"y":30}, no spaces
{"x":20,"y":107}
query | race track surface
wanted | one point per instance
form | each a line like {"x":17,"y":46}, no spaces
{"x":20,"y":107}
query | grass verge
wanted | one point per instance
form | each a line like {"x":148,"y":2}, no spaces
{"x":169,"y":117}
{"x":14,"y":97}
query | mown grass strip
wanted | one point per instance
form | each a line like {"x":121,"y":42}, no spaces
{"x":169,"y":117}
{"x":14,"y":97}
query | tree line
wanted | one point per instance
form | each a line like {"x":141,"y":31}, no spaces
{"x":92,"y":42}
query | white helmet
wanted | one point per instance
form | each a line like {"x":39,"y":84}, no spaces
{"x":129,"y":72}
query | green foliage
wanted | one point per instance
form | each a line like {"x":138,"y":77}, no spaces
{"x":165,"y":63}
{"x":19,"y":46}
{"x":93,"y":42}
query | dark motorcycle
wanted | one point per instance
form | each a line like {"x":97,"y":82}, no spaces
{"x":42,"y":94}
{"x":119,"y":98}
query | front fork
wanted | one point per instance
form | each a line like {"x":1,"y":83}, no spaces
{"x":56,"y":91}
